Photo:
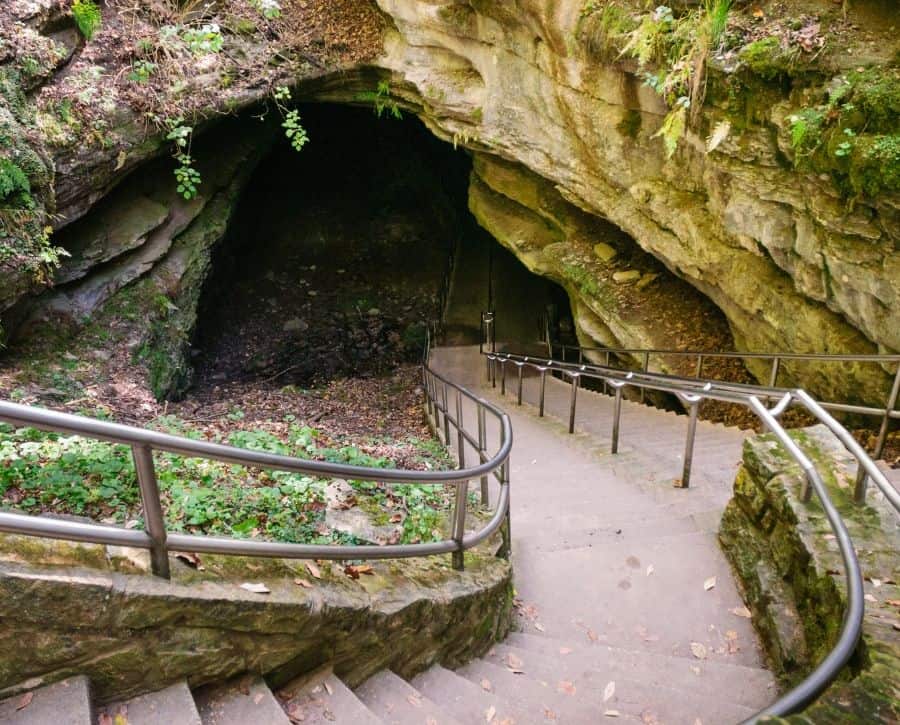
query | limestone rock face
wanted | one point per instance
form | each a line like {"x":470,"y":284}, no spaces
{"x":777,"y":251}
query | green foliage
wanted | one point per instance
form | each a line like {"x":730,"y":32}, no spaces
{"x":141,"y":70}
{"x":291,"y":123}
{"x":186,"y":176}
{"x":717,"y":12}
{"x":381,"y":100}
{"x":854,"y":134}
{"x":673,"y":127}
{"x":15,"y":189}
{"x":769,"y":59}
{"x":68,"y":474}
{"x":269,"y":9}
{"x":204,"y":39}
{"x":87,"y":17}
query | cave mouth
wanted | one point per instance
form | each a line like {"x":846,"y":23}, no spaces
{"x":335,"y":256}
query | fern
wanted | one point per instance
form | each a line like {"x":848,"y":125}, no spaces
{"x":673,"y":128}
{"x":87,"y":17}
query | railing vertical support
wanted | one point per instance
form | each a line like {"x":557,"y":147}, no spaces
{"x":494,"y":372}
{"x":617,"y":416}
{"x":153,"y":514}
{"x":646,"y":367}
{"x":689,"y":445}
{"x":605,"y":384}
{"x":519,"y":390}
{"x":543,"y":392}
{"x":506,"y":551}
{"x":698,"y":373}
{"x":459,"y":524}
{"x":773,"y":376}
{"x":460,"y":438}
{"x":446,"y":417}
{"x":575,"y":380}
{"x":502,"y":377}
{"x":482,"y":450}
{"x":859,"y":491}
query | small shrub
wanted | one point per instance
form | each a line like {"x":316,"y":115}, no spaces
{"x":381,"y":101}
{"x":15,"y":189}
{"x":87,"y":17}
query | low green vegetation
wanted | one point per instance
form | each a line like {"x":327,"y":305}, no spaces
{"x":52,"y":473}
{"x":853,"y":134}
{"x":87,"y":17}
{"x":382,"y":100}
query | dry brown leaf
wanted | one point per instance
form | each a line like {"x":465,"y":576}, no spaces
{"x":486,"y":685}
{"x":539,"y":627}
{"x":191,"y":559}
{"x":609,"y":691}
{"x":258,"y":698}
{"x":25,"y":701}
{"x":328,"y":688}
{"x":741,"y":612}
{"x":566,"y":686}
{"x":549,"y":714}
{"x":698,"y":650}
{"x":302,"y":583}
{"x":514,"y":663}
{"x":313,"y":570}
{"x":592,"y":635}
{"x":650,"y":570}
{"x":610,"y":713}
{"x":709,"y":583}
{"x":648,"y":717}
{"x":565,"y":650}
{"x":489,"y":713}
{"x":414,"y":700}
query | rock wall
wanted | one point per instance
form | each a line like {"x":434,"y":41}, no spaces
{"x":791,"y":571}
{"x":94,"y":610}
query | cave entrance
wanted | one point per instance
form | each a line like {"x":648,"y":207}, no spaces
{"x":335,"y":256}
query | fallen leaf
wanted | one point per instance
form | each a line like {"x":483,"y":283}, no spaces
{"x":870,"y":598}
{"x":190,"y":558}
{"x":876,"y":582}
{"x":648,"y":717}
{"x":313,"y":569}
{"x":514,"y":664}
{"x":609,"y":691}
{"x":258,"y":698}
{"x":698,"y":650}
{"x":486,"y":685}
{"x":610,"y":713}
{"x":741,"y":612}
{"x":565,"y":650}
{"x":719,"y":134}
{"x":695,"y":670}
{"x":566,"y":686}
{"x":396,"y":518}
{"x":354,"y":571}
{"x":709,"y":583}
{"x":548,"y":715}
{"x":489,"y":713}
{"x":328,"y":688}
{"x":539,"y":627}
{"x":650,"y":570}
{"x":302,"y":583}
{"x":295,"y":714}
{"x":414,"y":700}
{"x":256,"y":587}
{"x":25,"y":701}
{"x":592,"y":635}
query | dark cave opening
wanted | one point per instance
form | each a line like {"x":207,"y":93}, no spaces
{"x":335,"y":256}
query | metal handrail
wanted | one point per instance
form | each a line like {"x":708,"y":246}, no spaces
{"x":692,"y":391}
{"x":144,"y":442}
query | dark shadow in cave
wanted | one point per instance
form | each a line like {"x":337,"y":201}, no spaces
{"x":333,"y":262}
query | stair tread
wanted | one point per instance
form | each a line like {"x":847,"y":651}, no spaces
{"x":397,"y":702}
{"x":172,"y":706}
{"x":747,"y":686}
{"x":324,"y":698}
{"x":637,"y":694}
{"x":239,"y":701}
{"x":67,"y":702}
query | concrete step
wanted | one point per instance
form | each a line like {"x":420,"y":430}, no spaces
{"x":468,"y":702}
{"x":749,"y":686}
{"x":396,"y":702}
{"x":67,"y":702}
{"x":323,"y":698}
{"x":240,"y":701}
{"x":641,"y":693}
{"x":549,"y":699}
{"x":171,"y":706}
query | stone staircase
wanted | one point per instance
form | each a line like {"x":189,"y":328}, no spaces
{"x":627,"y":607}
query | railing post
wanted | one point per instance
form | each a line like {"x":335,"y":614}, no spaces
{"x":519,"y":391}
{"x":605,"y":385}
{"x":646,"y":369}
{"x":502,"y":377}
{"x":153,"y":514}
{"x":859,"y":491}
{"x":580,"y":356}
{"x":543,"y":391}
{"x":575,"y":379}
{"x":617,"y":415}
{"x":446,"y":417}
{"x":506,"y":551}
{"x":460,"y":439}
{"x":689,"y":445}
{"x":459,"y":524}
{"x":482,"y":450}
{"x":773,"y":376}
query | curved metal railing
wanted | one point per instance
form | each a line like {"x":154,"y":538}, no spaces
{"x":144,"y":442}
{"x":692,"y":391}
